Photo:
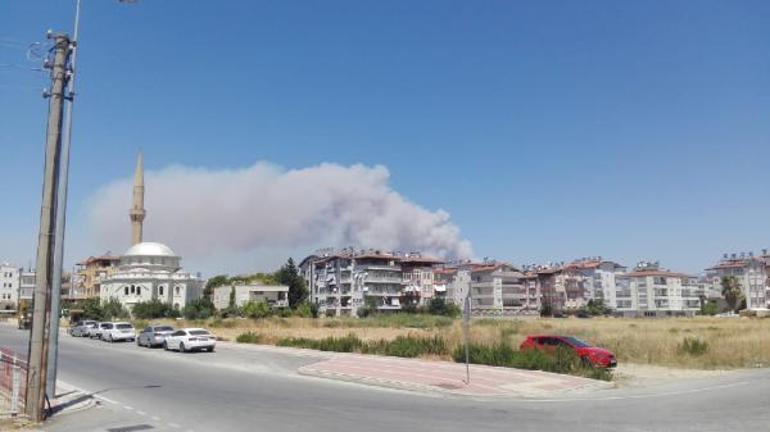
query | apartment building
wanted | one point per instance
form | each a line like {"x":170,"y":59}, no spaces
{"x":499,"y":289}
{"x":550,"y":280}
{"x":276,"y":296}
{"x":418,"y":279}
{"x":9,"y":287}
{"x":27,"y":281}
{"x":340,"y":282}
{"x":90,"y":273}
{"x":651,"y":291}
{"x":750,"y":271}
{"x":590,"y":279}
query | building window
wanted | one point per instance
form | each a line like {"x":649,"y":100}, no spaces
{"x":160,"y":290}
{"x":176,"y":290}
{"x":125,"y":289}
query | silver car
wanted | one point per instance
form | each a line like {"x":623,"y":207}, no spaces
{"x":83,"y":328}
{"x":96,"y":332}
{"x":154,"y":335}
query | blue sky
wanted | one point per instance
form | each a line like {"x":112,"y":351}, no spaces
{"x":547,"y":130}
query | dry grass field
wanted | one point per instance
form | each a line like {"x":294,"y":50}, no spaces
{"x":699,"y":343}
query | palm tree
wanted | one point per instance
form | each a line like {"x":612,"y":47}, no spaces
{"x":731,"y":290}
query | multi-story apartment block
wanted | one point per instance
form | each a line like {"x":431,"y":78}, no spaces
{"x":750,"y":271}
{"x":652,"y":292}
{"x":9,"y":287}
{"x":590,"y":279}
{"x":550,"y":280}
{"x":501,"y":289}
{"x":342,"y":282}
{"x":27,"y":281}
{"x":90,"y":273}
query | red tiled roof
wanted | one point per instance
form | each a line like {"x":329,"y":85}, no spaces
{"x":661,"y":273}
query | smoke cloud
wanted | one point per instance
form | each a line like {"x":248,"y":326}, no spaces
{"x":202,"y":213}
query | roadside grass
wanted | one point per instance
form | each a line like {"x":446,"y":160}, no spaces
{"x":401,"y":346}
{"x":731,"y":342}
{"x":563,"y":361}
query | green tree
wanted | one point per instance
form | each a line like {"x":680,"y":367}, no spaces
{"x":91,"y":309}
{"x":201,"y":308}
{"x":438,"y":306}
{"x":289,"y":275}
{"x":214,"y":282}
{"x":112,"y":309}
{"x":546,"y":310}
{"x":731,"y":290}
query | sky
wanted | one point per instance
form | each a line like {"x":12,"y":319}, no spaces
{"x":522,"y":131}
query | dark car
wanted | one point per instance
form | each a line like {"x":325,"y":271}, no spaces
{"x":594,"y":356}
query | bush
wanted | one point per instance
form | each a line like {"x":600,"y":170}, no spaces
{"x":349,"y":343}
{"x":256,"y":310}
{"x":199,"y":309}
{"x":438,"y":306}
{"x":305,"y":310}
{"x":402,"y":346}
{"x":710,"y":308}
{"x":546,"y":310}
{"x":407,"y":346}
{"x":249,"y":337}
{"x":153,"y":309}
{"x":113,"y":309}
{"x":563,"y":361}
{"x":693,"y":346}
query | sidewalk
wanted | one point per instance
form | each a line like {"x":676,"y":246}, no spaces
{"x":435,"y":376}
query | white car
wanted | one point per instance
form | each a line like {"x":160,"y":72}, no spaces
{"x":190,"y":339}
{"x":119,"y":331}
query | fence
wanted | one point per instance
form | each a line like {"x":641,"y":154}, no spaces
{"x":13,"y":382}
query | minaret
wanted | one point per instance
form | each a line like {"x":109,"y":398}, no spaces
{"x":137,"y":212}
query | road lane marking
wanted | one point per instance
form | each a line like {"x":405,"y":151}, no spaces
{"x":141,"y":413}
{"x":174,"y":425}
{"x":156,"y":418}
{"x":90,"y":393}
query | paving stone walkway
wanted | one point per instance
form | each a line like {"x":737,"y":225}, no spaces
{"x":448,"y":377}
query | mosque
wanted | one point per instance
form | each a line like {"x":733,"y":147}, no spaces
{"x":148,"y":270}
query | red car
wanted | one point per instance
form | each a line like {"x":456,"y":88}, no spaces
{"x":595,"y":356}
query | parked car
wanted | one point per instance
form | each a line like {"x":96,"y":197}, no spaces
{"x":83,"y":328}
{"x":96,"y":332}
{"x":154,"y":335}
{"x":190,"y":339}
{"x":590,"y":355}
{"x":120,"y":331}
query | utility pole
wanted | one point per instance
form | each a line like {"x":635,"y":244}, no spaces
{"x":61,"y":213}
{"x":38,"y":343}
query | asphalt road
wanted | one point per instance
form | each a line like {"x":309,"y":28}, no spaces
{"x":237,"y":389}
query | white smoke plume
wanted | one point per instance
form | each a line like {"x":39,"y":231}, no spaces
{"x":201,"y":213}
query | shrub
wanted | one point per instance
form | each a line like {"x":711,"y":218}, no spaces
{"x":438,"y":306}
{"x":693,"y":346}
{"x":199,"y":309}
{"x":256,"y":310}
{"x":407,"y":346}
{"x":153,"y":309}
{"x":349,"y":343}
{"x":402,"y":346}
{"x":562,"y":361}
{"x":305,"y":310}
{"x":113,"y":309}
{"x":249,"y":337}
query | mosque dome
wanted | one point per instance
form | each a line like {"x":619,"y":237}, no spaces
{"x":150,"y":249}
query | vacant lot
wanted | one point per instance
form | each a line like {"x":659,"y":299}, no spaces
{"x":701,"y":343}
